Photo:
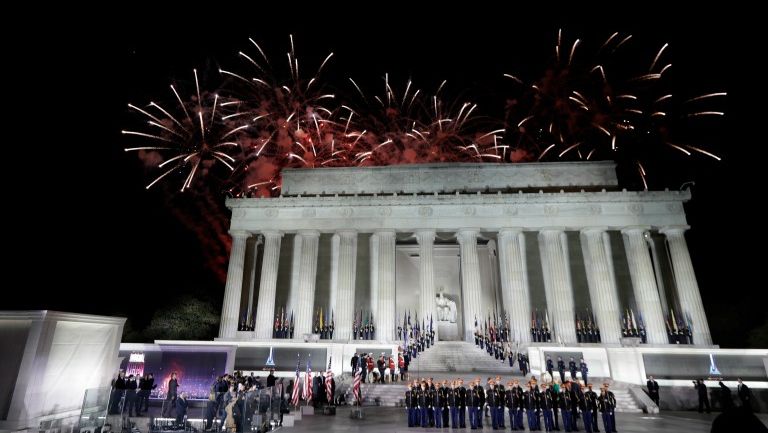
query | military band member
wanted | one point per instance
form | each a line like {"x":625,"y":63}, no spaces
{"x":537,"y":400}
{"x":590,"y":410}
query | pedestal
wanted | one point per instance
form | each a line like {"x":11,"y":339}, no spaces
{"x":448,"y":331}
{"x":307,"y":410}
{"x":630,"y":341}
{"x":357,"y":413}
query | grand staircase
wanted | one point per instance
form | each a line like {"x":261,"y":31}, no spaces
{"x":461,"y":357}
{"x":451,"y":359}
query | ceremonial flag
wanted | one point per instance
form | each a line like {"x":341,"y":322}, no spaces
{"x":308,"y":381}
{"x":328,"y":382}
{"x":356,"y":383}
{"x":295,"y":395}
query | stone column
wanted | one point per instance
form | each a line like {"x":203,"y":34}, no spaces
{"x":252,"y":276}
{"x":595,"y":245}
{"x":293,"y":293}
{"x":230,"y":310}
{"x":305,"y":283}
{"x":335,"y":241}
{"x":470,"y":282}
{"x":374,"y":293}
{"x":515,"y":291}
{"x":426,"y":239}
{"x":644,"y":284}
{"x":265,"y":309}
{"x":384,"y":317}
{"x":346,"y":264}
{"x":687,"y":286}
{"x":553,"y":245}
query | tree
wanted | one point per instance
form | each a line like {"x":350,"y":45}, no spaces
{"x":190,"y":319}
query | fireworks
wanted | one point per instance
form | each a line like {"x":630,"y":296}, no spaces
{"x":602,"y":106}
{"x":591,"y":103}
{"x":191,"y":142}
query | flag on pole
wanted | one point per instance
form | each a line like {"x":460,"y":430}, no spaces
{"x":328,"y":382}
{"x":356,"y":383}
{"x":295,"y":395}
{"x":308,"y":381}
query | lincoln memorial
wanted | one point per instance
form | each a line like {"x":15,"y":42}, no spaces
{"x":554,"y":240}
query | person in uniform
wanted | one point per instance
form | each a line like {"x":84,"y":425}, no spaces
{"x":607,"y":403}
{"x":572,"y":369}
{"x":577,"y":394}
{"x":653,"y":389}
{"x":461,"y":403}
{"x":550,"y":366}
{"x":409,"y":406}
{"x":500,"y":399}
{"x":451,"y":396}
{"x":481,"y":395}
{"x":424,"y":405}
{"x":561,"y":369}
{"x":584,"y":370}
{"x":546,"y":403}
{"x":590,"y":410}
{"x":566,"y":406}
{"x":473,"y":402}
{"x":442,"y":397}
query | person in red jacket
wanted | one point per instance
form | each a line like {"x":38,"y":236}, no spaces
{"x":391,"y":369}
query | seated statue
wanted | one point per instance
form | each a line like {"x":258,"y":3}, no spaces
{"x":446,"y":308}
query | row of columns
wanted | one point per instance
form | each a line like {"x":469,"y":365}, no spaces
{"x":553,"y":246}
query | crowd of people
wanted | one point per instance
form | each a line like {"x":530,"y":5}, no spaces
{"x":443,"y":405}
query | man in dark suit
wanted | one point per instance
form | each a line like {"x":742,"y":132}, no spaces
{"x":653,"y":389}
{"x":745,"y":395}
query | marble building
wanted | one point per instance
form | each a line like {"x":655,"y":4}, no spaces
{"x":519,"y":238}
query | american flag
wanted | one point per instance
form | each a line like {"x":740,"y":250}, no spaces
{"x":356,"y":383}
{"x":295,"y":395}
{"x":308,"y":382}
{"x":329,"y":386}
{"x":328,"y":380}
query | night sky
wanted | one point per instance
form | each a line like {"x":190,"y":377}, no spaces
{"x":85,"y":235}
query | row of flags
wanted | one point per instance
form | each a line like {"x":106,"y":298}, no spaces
{"x":541,"y":332}
{"x":247,"y":323}
{"x":495,"y":329}
{"x":283,"y":326}
{"x":363,"y":329}
{"x":631,"y":327}
{"x":323,"y":326}
{"x":413,"y":331}
{"x":679,"y":330}
{"x":587,"y":330}
{"x":305,"y":391}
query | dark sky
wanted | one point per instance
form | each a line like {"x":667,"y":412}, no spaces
{"x":86,"y":237}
